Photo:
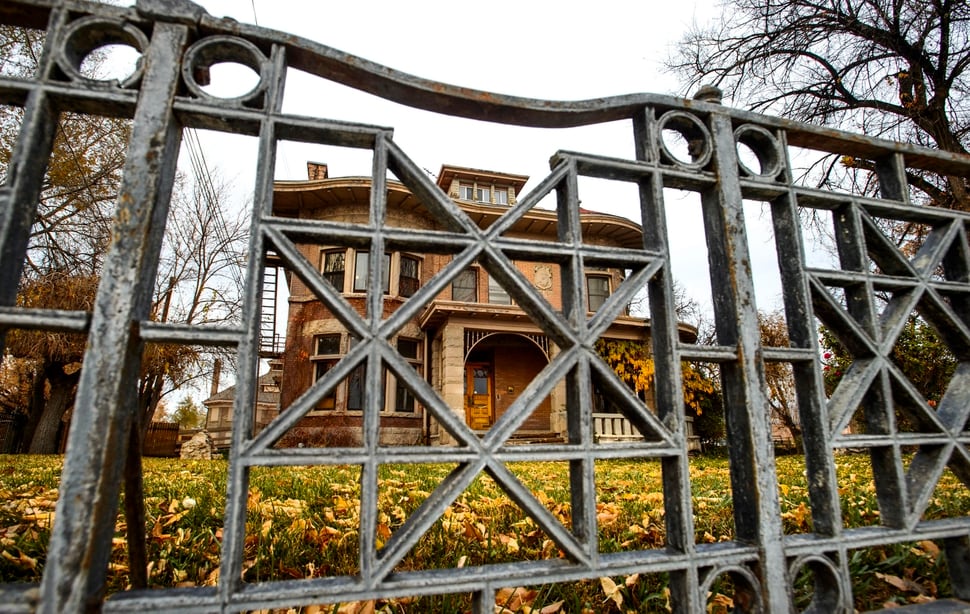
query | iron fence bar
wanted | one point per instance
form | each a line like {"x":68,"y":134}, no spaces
{"x":25,"y":176}
{"x":887,"y":469}
{"x":80,"y":546}
{"x":816,"y":438}
{"x":161,"y":106}
{"x":753,"y":477}
{"x":665,"y":337}
{"x":234,"y":530}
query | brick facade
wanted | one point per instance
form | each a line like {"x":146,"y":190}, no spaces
{"x":450,"y":333}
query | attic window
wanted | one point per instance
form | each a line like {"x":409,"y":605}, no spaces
{"x":480,"y":193}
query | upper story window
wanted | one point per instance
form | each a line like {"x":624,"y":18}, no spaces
{"x":597,"y":290}
{"x":348,"y":270}
{"x":465,"y":287}
{"x":334,"y":265}
{"x":482,"y":193}
{"x":409,"y":280}
{"x":362,"y":272}
{"x":496,"y":293}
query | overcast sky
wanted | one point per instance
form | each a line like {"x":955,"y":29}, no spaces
{"x":549,"y":50}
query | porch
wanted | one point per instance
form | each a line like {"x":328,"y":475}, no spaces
{"x":610,"y":427}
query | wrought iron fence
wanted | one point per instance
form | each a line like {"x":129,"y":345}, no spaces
{"x":178,"y":42}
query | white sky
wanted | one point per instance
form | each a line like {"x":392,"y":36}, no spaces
{"x":555,"y":50}
{"x":541,"y":49}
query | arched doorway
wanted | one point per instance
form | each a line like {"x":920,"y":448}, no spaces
{"x":497,"y":370}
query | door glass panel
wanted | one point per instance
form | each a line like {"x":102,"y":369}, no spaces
{"x":480,"y":380}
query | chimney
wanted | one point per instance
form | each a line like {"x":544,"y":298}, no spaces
{"x":216,"y":372}
{"x":316,"y":170}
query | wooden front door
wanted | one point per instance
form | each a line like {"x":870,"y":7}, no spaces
{"x":478,"y":395}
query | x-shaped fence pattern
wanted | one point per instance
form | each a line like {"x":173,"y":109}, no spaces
{"x":865,"y":303}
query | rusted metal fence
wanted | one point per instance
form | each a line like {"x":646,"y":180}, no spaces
{"x":178,"y":42}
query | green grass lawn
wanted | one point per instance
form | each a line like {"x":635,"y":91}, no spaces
{"x":303,"y":522}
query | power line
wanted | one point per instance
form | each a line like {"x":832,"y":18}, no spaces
{"x":203,"y":179}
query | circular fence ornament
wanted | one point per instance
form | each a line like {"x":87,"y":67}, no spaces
{"x":746,"y":595}
{"x":684,"y":140}
{"x":88,"y":34}
{"x":758,"y":146}
{"x":820,"y":571}
{"x":203,"y":55}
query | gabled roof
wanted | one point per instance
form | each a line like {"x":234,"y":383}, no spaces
{"x":272,"y":377}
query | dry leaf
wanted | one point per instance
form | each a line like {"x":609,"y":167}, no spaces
{"x":510,"y":543}
{"x":552,"y":608}
{"x":722,"y":600}
{"x":929,"y":547}
{"x":612,"y":591}
{"x":515,"y":599}
{"x":903,"y":584}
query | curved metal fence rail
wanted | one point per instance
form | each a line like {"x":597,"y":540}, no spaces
{"x":178,"y":41}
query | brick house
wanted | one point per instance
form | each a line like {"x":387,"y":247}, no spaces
{"x":474,"y":347}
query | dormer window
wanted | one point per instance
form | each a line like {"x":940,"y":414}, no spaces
{"x":480,"y":193}
{"x":480,"y":186}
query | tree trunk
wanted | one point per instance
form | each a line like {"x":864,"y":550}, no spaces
{"x":61,"y":396}
{"x":35,"y":409}
{"x":135,"y":527}
{"x":785,"y":414}
{"x":135,"y":507}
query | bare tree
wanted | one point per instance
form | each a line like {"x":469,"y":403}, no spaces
{"x":199,"y":282}
{"x":889,"y":68}
{"x":779,"y":376}
{"x":72,"y":227}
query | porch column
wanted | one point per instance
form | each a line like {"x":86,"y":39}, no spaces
{"x":452,"y":374}
{"x":557,"y":413}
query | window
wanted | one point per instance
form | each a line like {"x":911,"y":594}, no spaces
{"x":483,"y":194}
{"x":356,"y":384}
{"x":501,"y":196}
{"x":361,"y":272}
{"x":478,"y":193}
{"x":597,"y":290}
{"x":465,"y":286}
{"x":325,"y":356}
{"x":408,"y":282}
{"x":355,"y":387}
{"x":333,"y":268}
{"x":496,"y":293}
{"x":404,"y":400}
